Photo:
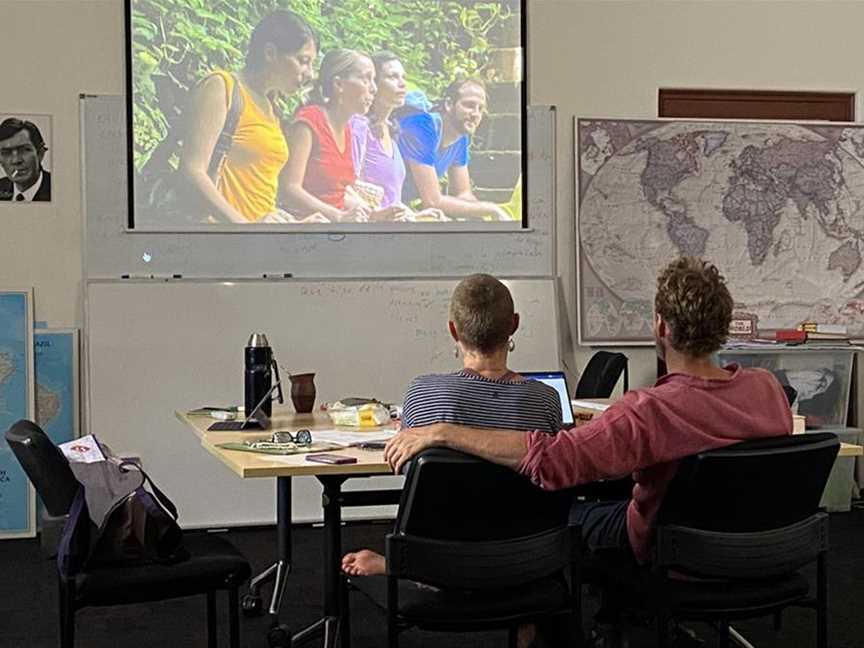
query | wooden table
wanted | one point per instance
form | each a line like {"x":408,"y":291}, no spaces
{"x":252,"y":465}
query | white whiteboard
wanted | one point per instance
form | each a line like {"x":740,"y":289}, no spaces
{"x":155,"y":346}
{"x":112,"y":251}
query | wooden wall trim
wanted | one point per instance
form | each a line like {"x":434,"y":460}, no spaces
{"x":755,"y":104}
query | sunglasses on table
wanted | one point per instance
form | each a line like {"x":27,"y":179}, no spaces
{"x":283,"y":437}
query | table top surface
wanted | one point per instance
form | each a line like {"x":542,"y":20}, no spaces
{"x":369,"y":462}
{"x":252,"y":464}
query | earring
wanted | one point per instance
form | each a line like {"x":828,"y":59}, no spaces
{"x":455,"y":351}
{"x":511,"y":344}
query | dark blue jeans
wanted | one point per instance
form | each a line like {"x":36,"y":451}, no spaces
{"x":603,"y":524}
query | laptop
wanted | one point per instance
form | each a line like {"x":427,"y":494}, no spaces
{"x":557,"y":381}
{"x":257,"y":419}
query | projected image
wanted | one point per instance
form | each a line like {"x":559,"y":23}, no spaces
{"x":317,"y":112}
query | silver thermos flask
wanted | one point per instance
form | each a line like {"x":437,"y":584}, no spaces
{"x":256,"y":375}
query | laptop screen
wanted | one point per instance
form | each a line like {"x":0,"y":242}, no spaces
{"x":557,"y":381}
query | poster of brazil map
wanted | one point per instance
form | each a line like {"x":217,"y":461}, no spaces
{"x":777,"y":206}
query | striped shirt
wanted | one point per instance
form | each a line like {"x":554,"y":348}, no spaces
{"x":467,"y":398}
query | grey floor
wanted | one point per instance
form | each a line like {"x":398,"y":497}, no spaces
{"x":28,"y":601}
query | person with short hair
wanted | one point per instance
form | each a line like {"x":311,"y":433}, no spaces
{"x":696,"y":406}
{"x":435,"y":144}
{"x":485,"y":392}
{"x":279,"y":60}
{"x":22,"y":150}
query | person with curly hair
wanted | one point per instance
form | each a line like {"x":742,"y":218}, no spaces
{"x":696,"y":406}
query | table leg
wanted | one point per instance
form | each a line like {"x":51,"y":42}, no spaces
{"x":279,"y":570}
{"x":332,"y":505}
{"x":283,"y":541}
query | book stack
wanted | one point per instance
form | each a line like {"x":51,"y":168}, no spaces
{"x":825,"y":333}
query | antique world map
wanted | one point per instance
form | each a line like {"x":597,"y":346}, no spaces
{"x":778,"y":207}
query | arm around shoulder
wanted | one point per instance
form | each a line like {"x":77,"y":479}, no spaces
{"x":504,"y":447}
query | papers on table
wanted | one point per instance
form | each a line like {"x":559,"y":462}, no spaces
{"x":591,"y":405}
{"x":345,"y":438}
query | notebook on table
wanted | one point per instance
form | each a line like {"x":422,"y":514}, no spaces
{"x":557,"y":381}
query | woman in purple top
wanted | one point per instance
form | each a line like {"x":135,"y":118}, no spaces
{"x":377,"y":161}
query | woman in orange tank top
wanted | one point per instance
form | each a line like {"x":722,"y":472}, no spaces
{"x":281,"y":51}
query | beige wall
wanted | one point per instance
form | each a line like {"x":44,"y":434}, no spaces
{"x":605,"y":58}
{"x":589,"y":58}
{"x":51,"y":52}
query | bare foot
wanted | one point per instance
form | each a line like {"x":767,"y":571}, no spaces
{"x":525,"y":635}
{"x":364,"y":563}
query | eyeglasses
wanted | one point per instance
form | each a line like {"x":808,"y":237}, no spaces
{"x":280,"y":440}
{"x":301,"y":437}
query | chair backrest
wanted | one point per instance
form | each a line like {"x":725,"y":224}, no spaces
{"x":791,"y":393}
{"x":751,"y":486}
{"x":601,"y":374}
{"x":45,"y":465}
{"x":465,"y":522}
{"x":748,"y":511}
{"x":450,"y":495}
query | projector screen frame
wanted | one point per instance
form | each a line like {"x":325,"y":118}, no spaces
{"x":337,"y":228}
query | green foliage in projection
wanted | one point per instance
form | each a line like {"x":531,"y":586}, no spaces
{"x":177,"y":42}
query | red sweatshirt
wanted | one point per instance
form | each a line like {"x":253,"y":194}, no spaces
{"x":649,"y":430}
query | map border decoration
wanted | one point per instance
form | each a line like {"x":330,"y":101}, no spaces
{"x":30,"y":530}
{"x":580,"y":333}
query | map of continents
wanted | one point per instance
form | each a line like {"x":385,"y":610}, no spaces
{"x":14,"y":380}
{"x":778,"y":207}
{"x":56,"y":371}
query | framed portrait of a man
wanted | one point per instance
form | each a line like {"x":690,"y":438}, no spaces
{"x":25,"y":158}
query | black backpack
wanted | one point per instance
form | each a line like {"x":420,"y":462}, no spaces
{"x":118,"y":515}
{"x":160,"y":194}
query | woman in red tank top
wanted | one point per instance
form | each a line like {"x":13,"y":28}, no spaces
{"x":321,"y":165}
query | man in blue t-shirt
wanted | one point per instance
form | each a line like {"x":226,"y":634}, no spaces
{"x":436,"y":143}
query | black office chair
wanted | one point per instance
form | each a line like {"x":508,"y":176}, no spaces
{"x":475,"y":547}
{"x":791,"y":394}
{"x":739,"y":522}
{"x":213,"y":563}
{"x":601,"y":374}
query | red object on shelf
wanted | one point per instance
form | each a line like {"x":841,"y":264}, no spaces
{"x":790,"y":335}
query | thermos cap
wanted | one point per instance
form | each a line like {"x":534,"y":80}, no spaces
{"x":257,"y":340}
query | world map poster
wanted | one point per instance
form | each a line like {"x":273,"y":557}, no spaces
{"x":17,"y":501}
{"x":777,"y":206}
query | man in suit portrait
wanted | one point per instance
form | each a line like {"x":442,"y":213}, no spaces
{"x":22,"y":149}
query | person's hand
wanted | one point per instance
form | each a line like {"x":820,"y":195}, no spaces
{"x":317,"y":217}
{"x":392,"y":213}
{"x":500,"y":213}
{"x":356,"y":214}
{"x":282,"y":216}
{"x":278,"y":216}
{"x":410,"y":441}
{"x":432,"y":214}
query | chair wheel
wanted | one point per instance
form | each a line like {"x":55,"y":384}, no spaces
{"x":279,"y":637}
{"x":251,"y":605}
